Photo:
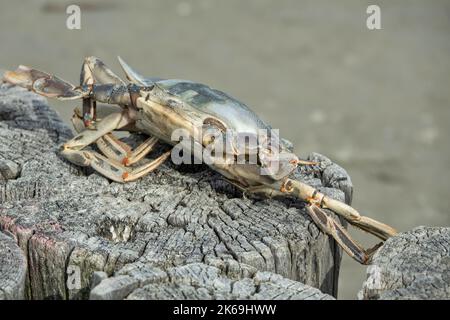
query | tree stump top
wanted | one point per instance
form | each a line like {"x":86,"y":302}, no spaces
{"x":412,"y":265}
{"x":71,"y":222}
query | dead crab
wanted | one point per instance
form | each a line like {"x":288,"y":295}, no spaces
{"x":158,"y":108}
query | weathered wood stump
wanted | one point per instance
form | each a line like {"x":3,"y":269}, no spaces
{"x":70,"y":222}
{"x":412,"y":265}
{"x":13,"y":269}
{"x":139,"y":281}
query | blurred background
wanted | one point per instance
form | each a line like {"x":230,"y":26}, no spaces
{"x":376,"y":102}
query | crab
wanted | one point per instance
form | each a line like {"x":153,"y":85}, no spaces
{"x":206,"y":116}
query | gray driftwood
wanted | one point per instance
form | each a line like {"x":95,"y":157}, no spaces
{"x":13,"y":268}
{"x":72,"y":222}
{"x":413,"y":265}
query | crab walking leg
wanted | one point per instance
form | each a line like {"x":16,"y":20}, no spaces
{"x":115,"y":149}
{"x":143,"y":170}
{"x":140,"y":152}
{"x":73,"y":151}
{"x":111,"y":169}
{"x":119,"y":151}
{"x":116,"y":155}
{"x":94,"y":71}
{"x":311,"y":195}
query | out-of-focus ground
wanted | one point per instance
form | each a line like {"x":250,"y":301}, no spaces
{"x":376,"y":102}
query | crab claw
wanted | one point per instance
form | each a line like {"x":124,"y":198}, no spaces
{"x":330,"y":226}
{"x":43,"y":83}
{"x":317,"y":201}
{"x":23,"y":76}
{"x":379,"y":229}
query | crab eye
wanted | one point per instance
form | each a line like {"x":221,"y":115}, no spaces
{"x":214,"y":123}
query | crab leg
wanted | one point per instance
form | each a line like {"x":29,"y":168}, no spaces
{"x":115,"y":149}
{"x":332,"y":227}
{"x":116,"y":92}
{"x":74,"y":151}
{"x":109,"y":168}
{"x":324,"y":221}
{"x":52,"y":87}
{"x":94,"y":71}
{"x":317,"y":200}
{"x":44,"y":84}
{"x":311,"y":195}
{"x":119,"y":151}
{"x":143,"y":170}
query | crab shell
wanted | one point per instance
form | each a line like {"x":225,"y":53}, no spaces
{"x":168,"y":105}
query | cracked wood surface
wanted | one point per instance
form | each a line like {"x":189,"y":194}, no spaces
{"x":140,"y":281}
{"x":412,"y":265}
{"x":64,"y":216}
{"x":13,"y":269}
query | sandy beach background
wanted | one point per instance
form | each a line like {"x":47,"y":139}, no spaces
{"x":376,"y":102}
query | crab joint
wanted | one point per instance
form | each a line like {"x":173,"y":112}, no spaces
{"x":125,"y":161}
{"x":317,"y":198}
{"x":287,"y":186}
{"x":133,"y":91}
